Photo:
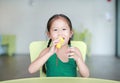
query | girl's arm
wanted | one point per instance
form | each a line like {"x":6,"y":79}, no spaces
{"x":83,"y":69}
{"x":76,"y":54}
{"x":43,"y":57}
{"x":40,"y":61}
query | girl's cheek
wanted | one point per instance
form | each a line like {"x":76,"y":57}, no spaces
{"x":54,"y":36}
{"x":67,"y":33}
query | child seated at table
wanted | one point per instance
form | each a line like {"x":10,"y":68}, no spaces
{"x":60,"y":58}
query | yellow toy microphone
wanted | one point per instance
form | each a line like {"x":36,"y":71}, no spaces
{"x":59,"y":44}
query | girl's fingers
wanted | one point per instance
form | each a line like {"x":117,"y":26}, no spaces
{"x":70,"y":54}
{"x":73,"y":56}
{"x":71,"y":49}
{"x":55,"y":42}
{"x":53,"y":48}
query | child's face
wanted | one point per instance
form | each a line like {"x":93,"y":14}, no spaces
{"x":60,"y":28}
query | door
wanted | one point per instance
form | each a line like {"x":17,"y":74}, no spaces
{"x":118,"y":28}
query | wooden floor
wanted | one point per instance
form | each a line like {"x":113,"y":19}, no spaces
{"x":103,"y":67}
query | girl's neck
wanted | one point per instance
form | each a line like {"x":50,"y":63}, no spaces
{"x":62,"y":53}
{"x":64,"y":47}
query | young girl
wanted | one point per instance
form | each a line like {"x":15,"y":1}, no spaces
{"x":61,"y":61}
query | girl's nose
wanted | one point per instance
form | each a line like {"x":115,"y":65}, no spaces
{"x":59,"y":32}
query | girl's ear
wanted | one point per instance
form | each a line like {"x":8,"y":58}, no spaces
{"x":48,"y":34}
{"x":71,"y":34}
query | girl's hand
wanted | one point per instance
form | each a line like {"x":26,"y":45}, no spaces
{"x":74,"y":53}
{"x":53,"y":48}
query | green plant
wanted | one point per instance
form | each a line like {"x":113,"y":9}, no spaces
{"x":85,"y":36}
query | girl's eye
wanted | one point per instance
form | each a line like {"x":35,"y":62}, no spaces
{"x":55,"y":29}
{"x":64,"y":29}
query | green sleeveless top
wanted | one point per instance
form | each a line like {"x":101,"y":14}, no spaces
{"x":55,"y":67}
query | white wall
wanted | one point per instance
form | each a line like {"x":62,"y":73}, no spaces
{"x":28,"y":21}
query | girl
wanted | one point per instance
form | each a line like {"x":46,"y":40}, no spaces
{"x":60,"y":61}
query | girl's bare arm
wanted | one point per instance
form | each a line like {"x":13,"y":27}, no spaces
{"x":40,"y":61}
{"x":76,"y":54}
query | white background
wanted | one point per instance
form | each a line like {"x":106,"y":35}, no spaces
{"x":27,"y":20}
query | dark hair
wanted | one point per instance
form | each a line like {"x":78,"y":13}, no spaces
{"x":57,"y":16}
{"x":49,"y":23}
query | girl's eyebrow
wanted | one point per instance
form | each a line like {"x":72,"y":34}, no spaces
{"x":65,"y":27}
{"x":53,"y":27}
{"x":60,"y":27}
